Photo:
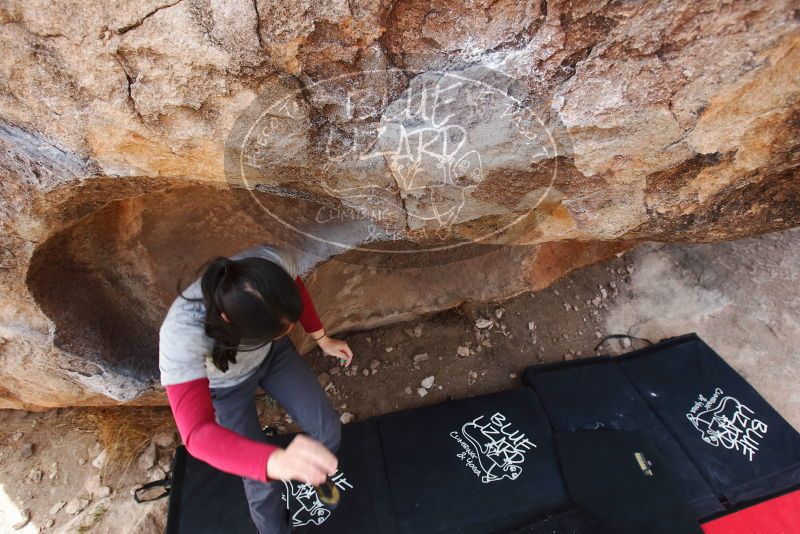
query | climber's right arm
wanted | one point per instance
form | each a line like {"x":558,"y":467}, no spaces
{"x":206,"y":440}
{"x":305,"y":459}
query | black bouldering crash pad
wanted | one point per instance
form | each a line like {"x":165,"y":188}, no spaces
{"x":742,"y":446}
{"x":471,"y":465}
{"x":594,"y":393}
{"x":205,"y":500}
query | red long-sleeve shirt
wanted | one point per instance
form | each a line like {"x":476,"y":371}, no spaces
{"x":205,"y":439}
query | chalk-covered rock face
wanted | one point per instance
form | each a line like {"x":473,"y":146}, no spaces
{"x":439,"y":151}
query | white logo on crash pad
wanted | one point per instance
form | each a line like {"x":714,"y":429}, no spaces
{"x":491,"y":449}
{"x":310,"y":510}
{"x":723,"y":420}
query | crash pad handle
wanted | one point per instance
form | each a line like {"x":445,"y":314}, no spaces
{"x":165,"y":483}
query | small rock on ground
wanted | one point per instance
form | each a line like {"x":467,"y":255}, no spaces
{"x":483,"y":323}
{"x":164,"y":439}
{"x":57,"y":507}
{"x":100,"y":461}
{"x":53,"y":473}
{"x":148,"y":458}
{"x":26,"y":518}
{"x":95,"y":449}
{"x":156,"y":473}
{"x":26,"y":451}
{"x":324,"y":379}
{"x":92,"y":483}
{"x":76,"y":505}
{"x":34,"y":476}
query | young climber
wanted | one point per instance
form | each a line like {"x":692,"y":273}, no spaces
{"x":223,"y":336}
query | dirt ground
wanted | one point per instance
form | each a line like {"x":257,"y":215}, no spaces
{"x":46,"y":459}
{"x":561,"y":322}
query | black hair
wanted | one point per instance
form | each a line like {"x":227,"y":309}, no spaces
{"x":259,"y":299}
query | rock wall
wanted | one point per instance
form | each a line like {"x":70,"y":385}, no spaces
{"x":414,"y":155}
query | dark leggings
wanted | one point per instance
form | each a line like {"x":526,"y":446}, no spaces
{"x":286,"y":377}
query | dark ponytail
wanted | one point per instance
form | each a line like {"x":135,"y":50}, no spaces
{"x":259,"y":299}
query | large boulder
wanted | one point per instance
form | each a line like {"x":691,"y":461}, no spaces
{"x":414,"y":155}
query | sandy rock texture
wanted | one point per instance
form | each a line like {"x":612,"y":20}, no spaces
{"x":413,"y":154}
